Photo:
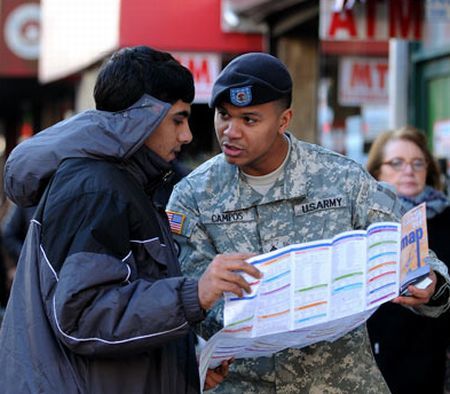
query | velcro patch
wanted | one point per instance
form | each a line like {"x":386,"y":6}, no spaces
{"x":176,"y":221}
{"x":318,"y":205}
{"x":386,"y":200}
{"x":219,"y":217}
{"x":241,"y":96}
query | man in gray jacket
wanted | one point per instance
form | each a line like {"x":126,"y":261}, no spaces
{"x":268,"y":190}
{"x":99,"y":304}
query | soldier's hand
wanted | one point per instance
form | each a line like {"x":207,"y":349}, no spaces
{"x":418,"y":296}
{"x":217,"y":375}
{"x":222,"y":275}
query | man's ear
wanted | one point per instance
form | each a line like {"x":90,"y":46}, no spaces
{"x":285,"y":119}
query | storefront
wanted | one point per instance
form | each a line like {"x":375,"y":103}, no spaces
{"x":430,"y":81}
{"x":364,"y":84}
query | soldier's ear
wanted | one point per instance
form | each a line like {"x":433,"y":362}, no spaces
{"x":285,"y":119}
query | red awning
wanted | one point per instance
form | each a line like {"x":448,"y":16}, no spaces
{"x":181,"y":25}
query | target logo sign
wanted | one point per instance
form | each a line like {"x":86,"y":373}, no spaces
{"x":22,"y":31}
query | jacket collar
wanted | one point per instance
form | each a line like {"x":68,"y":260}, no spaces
{"x":149,"y":170}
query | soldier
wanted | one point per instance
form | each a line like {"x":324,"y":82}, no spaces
{"x":267,"y":190}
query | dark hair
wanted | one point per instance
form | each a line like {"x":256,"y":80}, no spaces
{"x":131,"y":72}
{"x":285,"y":101}
{"x":407,"y":133}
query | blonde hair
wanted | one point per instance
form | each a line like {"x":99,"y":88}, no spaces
{"x":407,"y":133}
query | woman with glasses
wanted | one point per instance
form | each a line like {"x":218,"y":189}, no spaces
{"x":411,"y":349}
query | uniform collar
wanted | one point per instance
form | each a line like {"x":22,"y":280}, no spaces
{"x":291,"y":184}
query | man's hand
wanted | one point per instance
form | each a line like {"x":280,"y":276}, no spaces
{"x":217,"y":375}
{"x":221,"y":275}
{"x":417,"y":296}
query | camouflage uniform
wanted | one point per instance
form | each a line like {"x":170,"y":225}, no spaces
{"x":319,"y":195}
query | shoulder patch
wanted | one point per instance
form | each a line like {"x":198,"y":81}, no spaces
{"x":386,"y":200}
{"x":176,"y":221}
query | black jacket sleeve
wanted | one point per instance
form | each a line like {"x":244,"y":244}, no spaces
{"x":107,"y":300}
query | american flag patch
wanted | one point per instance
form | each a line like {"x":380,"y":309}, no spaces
{"x":176,"y":221}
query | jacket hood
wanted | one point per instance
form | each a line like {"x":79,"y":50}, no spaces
{"x":93,"y":134}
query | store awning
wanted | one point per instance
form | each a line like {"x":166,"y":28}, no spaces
{"x":282,"y":15}
{"x":77,"y":33}
{"x":259,"y":10}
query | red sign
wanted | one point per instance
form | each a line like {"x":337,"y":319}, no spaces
{"x":19,"y":42}
{"x":363,"y":80}
{"x":373,"y":20}
{"x":176,"y":25}
{"x":205,"y":68}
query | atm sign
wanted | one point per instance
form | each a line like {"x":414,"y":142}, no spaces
{"x":363,"y":80}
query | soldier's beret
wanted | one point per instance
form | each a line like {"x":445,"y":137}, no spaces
{"x":251,"y":79}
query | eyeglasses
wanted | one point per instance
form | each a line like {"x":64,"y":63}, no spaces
{"x":397,"y":164}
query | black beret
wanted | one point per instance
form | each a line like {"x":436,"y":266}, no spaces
{"x":251,"y":79}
